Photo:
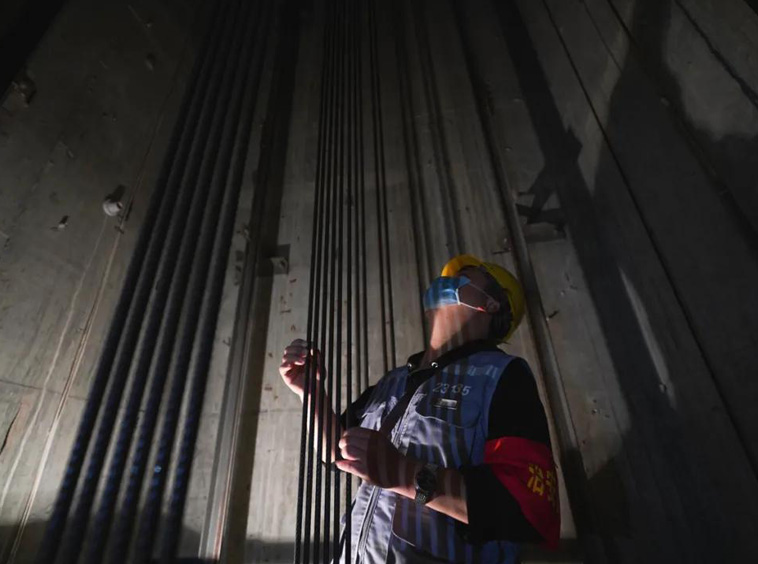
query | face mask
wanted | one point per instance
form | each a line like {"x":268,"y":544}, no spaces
{"x":443,"y":291}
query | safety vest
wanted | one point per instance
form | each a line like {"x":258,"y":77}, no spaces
{"x":446,"y":424}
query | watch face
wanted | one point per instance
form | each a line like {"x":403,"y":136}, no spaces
{"x":426,"y":480}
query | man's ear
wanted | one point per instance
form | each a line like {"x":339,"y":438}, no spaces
{"x":493,"y":306}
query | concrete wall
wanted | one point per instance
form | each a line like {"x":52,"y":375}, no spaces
{"x":109,"y":78}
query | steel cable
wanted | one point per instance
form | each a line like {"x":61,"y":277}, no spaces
{"x":166,"y":365}
{"x":349,"y":272}
{"x":328,"y":252}
{"x":422,"y":240}
{"x":356,"y":189}
{"x":140,"y":377}
{"x":336,"y":283}
{"x":126,"y":319}
{"x":207,"y":284}
{"x":380,"y":184}
{"x":363,"y":291}
{"x":165,"y":320}
{"x":305,"y":507}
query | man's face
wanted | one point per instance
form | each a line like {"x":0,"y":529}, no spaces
{"x":474,"y":296}
{"x":466,"y":320}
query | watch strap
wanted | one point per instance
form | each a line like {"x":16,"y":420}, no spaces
{"x":423,"y":496}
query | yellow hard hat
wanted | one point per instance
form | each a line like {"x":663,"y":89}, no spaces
{"x":503,"y":277}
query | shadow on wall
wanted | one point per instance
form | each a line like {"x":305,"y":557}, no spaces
{"x":280,"y":552}
{"x":718,"y":110}
{"x":642,"y":503}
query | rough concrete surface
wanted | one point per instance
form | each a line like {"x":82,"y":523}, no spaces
{"x":100,"y":120}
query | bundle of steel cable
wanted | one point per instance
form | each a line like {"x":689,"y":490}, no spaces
{"x":338,"y":271}
{"x":162,"y":328}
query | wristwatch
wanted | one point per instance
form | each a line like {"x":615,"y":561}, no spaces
{"x":426,"y":483}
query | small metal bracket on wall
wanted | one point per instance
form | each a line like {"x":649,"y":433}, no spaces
{"x":281,"y":260}
{"x":545,"y":226}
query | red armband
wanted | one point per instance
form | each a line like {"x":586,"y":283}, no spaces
{"x":526,"y":468}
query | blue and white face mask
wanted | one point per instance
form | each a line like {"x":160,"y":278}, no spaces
{"x":444,"y":291}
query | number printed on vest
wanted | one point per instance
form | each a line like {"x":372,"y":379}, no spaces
{"x":458,"y":389}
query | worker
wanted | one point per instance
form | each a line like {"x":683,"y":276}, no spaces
{"x":452,"y":448}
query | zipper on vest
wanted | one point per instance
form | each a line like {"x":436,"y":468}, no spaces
{"x":375,"y":497}
{"x":366,"y":521}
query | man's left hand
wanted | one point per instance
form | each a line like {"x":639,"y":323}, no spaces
{"x":373,"y":458}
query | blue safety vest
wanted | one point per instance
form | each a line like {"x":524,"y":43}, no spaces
{"x":446,"y":424}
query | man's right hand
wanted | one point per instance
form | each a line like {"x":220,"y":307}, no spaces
{"x":292,"y":367}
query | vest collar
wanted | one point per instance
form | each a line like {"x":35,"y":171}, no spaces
{"x":464,"y":350}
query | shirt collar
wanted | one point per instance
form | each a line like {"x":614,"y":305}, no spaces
{"x":464,"y":350}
